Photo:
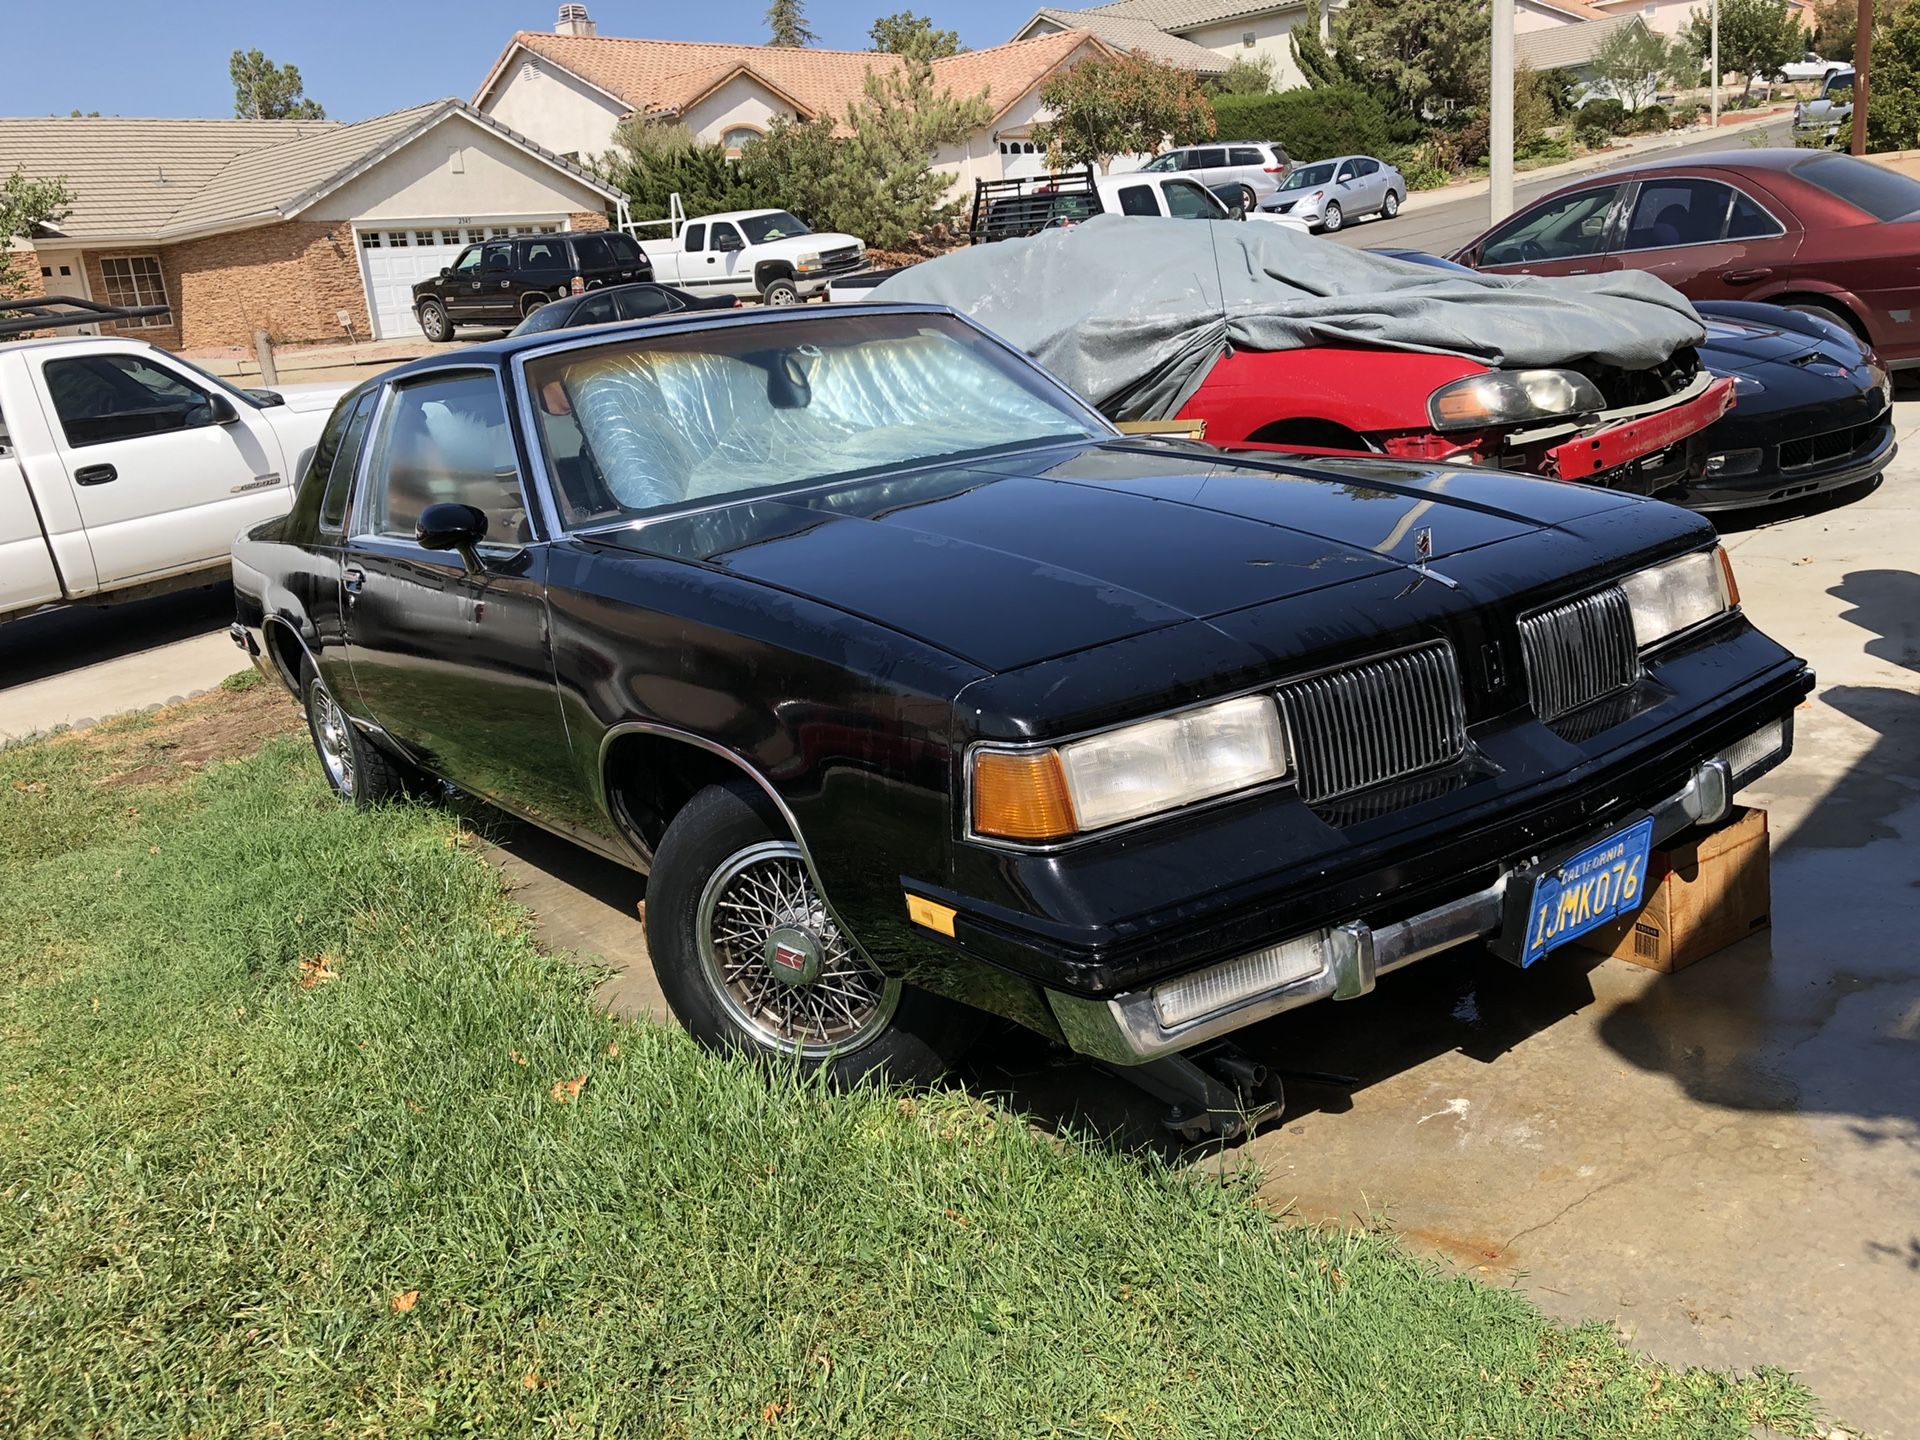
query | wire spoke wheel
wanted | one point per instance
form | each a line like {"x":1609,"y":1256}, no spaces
{"x":332,"y":740}
{"x":778,"y":964}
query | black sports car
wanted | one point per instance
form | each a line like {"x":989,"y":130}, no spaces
{"x":1813,"y":407}
{"x":919,"y":690}
{"x":642,"y":301}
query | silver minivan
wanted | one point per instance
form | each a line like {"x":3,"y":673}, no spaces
{"x":1256,"y":166}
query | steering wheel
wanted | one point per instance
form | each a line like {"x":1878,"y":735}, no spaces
{"x":1531,"y":249}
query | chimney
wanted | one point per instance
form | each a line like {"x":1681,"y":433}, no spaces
{"x":573,"y":21}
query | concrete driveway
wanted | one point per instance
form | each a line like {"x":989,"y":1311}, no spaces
{"x":1724,"y":1162}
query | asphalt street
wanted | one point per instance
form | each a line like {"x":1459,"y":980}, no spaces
{"x":1444,"y":228}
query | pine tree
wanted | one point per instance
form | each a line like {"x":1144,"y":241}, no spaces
{"x":787,"y":24}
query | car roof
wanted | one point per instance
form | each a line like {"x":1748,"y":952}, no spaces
{"x":56,"y":342}
{"x":1768,"y":159}
{"x":497,"y":354}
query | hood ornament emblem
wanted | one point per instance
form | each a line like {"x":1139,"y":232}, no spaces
{"x":1422,"y":571}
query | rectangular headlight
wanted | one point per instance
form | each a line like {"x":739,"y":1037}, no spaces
{"x":1666,"y":599}
{"x":1128,"y":773}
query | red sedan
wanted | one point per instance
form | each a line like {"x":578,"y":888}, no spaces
{"x":1807,"y":229}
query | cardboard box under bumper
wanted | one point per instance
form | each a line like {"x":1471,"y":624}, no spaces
{"x":1703,"y":895}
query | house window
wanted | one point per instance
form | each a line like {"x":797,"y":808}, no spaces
{"x":737,"y":138}
{"x":450,"y":237}
{"x":423,"y":237}
{"x":369,"y":239}
{"x":135,"y":280}
{"x":1246,"y":39}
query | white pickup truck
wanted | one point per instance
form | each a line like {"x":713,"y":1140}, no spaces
{"x":744,"y":253}
{"x":125,"y":471}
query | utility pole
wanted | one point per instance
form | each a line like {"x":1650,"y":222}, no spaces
{"x":1862,"y":64}
{"x":1713,"y":64}
{"x":1500,"y":112}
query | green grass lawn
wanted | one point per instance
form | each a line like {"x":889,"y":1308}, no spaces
{"x":301,"y":1134}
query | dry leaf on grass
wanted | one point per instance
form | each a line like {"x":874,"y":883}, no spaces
{"x":30,"y":787}
{"x":317,"y":970}
{"x":404,"y":1301}
{"x":530,"y":1380}
{"x":613,"y":1050}
{"x":518,"y":1058}
{"x":565,"y":1090}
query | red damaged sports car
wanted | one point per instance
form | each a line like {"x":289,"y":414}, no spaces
{"x":1629,"y":429}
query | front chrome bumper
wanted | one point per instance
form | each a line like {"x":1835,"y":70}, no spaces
{"x":1129,"y":1029}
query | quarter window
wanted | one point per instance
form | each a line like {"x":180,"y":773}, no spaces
{"x":446,"y":440}
{"x":694,"y":238}
{"x":101,"y":398}
{"x":136,"y":280}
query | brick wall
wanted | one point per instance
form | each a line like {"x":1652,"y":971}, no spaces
{"x":25,"y":280}
{"x":287,"y":279}
{"x":587,"y":220}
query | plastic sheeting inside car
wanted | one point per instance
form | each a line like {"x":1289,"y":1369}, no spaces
{"x":1132,"y":312}
{"x":684,"y":420}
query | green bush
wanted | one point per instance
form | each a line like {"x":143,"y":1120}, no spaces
{"x":1546,"y":147}
{"x":1652,"y":119}
{"x":1310,"y":124}
{"x":1683,"y":114}
{"x":1610,"y":113}
{"x":1423,"y":170}
{"x":1592,"y":133}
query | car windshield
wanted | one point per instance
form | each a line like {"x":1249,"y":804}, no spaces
{"x":642,"y":426}
{"x":1882,"y":193}
{"x":777,"y":226}
{"x":1308,"y":175}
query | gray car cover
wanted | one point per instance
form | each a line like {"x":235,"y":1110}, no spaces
{"x":1131,"y":312}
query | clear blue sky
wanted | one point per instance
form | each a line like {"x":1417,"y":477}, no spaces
{"x":364,"y":57}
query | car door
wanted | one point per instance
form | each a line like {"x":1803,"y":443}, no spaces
{"x":629,"y":260}
{"x":1563,"y":235}
{"x":541,"y":268}
{"x":1187,"y":200}
{"x":461,"y":287}
{"x":1207,"y":164}
{"x":593,"y":261}
{"x":1369,"y":187}
{"x":497,"y":300}
{"x":165,"y":467}
{"x":729,"y":253}
{"x":1709,"y":240}
{"x":699,"y":264}
{"x":643,"y":302}
{"x":453,"y":663}
{"x":316,"y":584}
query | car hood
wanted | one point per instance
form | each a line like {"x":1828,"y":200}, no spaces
{"x":303,"y":399}
{"x":1014,"y":560}
{"x":1736,"y":346}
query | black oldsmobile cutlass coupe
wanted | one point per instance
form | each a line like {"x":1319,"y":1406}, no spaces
{"x":919,"y":691}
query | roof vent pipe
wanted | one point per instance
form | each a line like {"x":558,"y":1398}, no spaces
{"x":573,"y":21}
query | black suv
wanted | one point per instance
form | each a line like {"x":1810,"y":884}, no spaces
{"x":498,"y":283}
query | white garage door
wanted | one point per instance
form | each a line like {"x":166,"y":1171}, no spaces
{"x":393,"y":261}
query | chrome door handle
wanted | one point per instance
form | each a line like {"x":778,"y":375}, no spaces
{"x":352,"y":578}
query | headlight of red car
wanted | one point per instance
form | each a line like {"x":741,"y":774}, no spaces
{"x":1508,"y":397}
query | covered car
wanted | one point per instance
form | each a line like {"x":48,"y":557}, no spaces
{"x":1270,"y":337}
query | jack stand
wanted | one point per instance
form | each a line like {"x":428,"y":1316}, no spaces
{"x":1214,"y":1091}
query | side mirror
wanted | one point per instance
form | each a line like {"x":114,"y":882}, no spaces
{"x":1236,"y":212}
{"x":449,"y":525}
{"x":445,"y":271}
{"x":220,"y":410}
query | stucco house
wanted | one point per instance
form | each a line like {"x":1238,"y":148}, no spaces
{"x":310,"y":230}
{"x":569,"y":89}
{"x":1204,"y":36}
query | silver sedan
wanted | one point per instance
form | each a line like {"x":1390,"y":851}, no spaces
{"x":1329,"y":193}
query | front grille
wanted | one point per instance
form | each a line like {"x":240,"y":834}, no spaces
{"x":1827,"y":449}
{"x":841,"y":256}
{"x":1578,"y":652}
{"x":1366,"y":724}
{"x":1285,"y":206}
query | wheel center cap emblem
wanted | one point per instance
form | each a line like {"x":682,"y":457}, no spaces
{"x":793,"y":956}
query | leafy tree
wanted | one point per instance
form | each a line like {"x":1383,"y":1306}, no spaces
{"x":26,"y":204}
{"x":1425,"y":58}
{"x":1127,"y":105}
{"x":1757,"y":37}
{"x":653,"y":160}
{"x":905,"y":33}
{"x":263,"y":90}
{"x":1245,"y":77}
{"x":1836,"y":26}
{"x":1635,"y":62}
{"x":1893,"y":99}
{"x":787,"y":25}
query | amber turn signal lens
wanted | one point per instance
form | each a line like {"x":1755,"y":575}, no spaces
{"x":1726,"y":574}
{"x":1021,"y":796}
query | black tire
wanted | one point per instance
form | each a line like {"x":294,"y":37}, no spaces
{"x":1390,"y":206}
{"x":728,"y":993}
{"x":780,"y":291}
{"x":435,"y":323}
{"x":1333,"y":218}
{"x":357,"y":770}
